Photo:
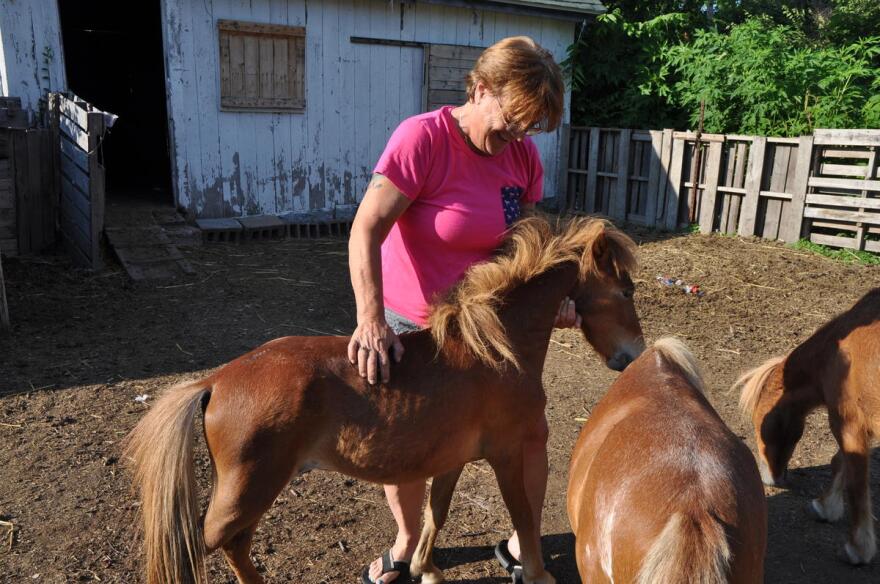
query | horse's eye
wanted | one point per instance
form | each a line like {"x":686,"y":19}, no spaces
{"x":628,"y":293}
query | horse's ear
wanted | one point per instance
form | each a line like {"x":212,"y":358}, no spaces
{"x":601,"y":249}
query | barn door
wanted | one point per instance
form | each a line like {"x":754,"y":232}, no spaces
{"x":81,"y":128}
{"x":446,"y":69}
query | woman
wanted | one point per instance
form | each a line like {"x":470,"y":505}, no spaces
{"x":448,"y":185}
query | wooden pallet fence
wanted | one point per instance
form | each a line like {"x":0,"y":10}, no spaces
{"x":81,"y":178}
{"x":842,"y":203}
{"x":824,"y":186}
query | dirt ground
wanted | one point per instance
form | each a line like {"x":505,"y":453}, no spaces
{"x":84,"y":345}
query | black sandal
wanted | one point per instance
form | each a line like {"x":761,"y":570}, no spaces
{"x":389,"y":565}
{"x":508,"y":562}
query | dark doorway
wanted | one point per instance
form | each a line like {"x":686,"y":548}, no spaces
{"x":114,"y":58}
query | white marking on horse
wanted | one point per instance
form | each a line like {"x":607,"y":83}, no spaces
{"x":606,"y":529}
{"x":831,"y":507}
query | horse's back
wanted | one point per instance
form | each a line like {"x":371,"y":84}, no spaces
{"x":303,"y":395}
{"x":652,"y":450}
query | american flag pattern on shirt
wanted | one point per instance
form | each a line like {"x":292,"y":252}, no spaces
{"x":510,"y":197}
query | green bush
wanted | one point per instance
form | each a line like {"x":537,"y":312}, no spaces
{"x":783,"y":73}
{"x":763,"y":78}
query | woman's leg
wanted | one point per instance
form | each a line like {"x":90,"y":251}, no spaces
{"x":537,"y":468}
{"x":405,"y":502}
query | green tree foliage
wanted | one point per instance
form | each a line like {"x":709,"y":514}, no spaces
{"x":791,"y":69}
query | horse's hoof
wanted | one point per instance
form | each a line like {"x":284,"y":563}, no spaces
{"x":432,"y":577}
{"x":815,"y":512}
{"x":852,"y":556}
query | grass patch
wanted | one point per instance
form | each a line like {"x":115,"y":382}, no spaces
{"x":847,"y":256}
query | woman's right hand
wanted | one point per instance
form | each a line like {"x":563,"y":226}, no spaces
{"x":369,"y":347}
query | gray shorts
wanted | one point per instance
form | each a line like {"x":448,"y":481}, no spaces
{"x":399,"y":323}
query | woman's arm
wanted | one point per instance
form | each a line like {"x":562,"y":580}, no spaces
{"x":382,"y":205}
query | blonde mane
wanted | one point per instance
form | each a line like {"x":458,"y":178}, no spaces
{"x":753,"y":382}
{"x":532,"y":247}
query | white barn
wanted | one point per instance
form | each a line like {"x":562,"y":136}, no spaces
{"x":231,"y":107}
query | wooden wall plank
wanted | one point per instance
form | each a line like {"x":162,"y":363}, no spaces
{"x":792,"y":220}
{"x":76,"y":204}
{"x":4,"y":305}
{"x":664,"y":186}
{"x":847,"y":137}
{"x":76,"y":134}
{"x":653,"y":178}
{"x":860,"y":229}
{"x":74,"y":174}
{"x":72,"y":111}
{"x":739,"y":178}
{"x":843,"y":201}
{"x":591,"y":197}
{"x":21,"y":179}
{"x":676,"y":169}
{"x":845,"y":183}
{"x":778,"y":177}
{"x":96,"y":187}
{"x":753,"y":186}
{"x":562,"y":191}
{"x":710,"y":191}
{"x":617,"y":206}
{"x":845,"y":170}
{"x":842,"y":215}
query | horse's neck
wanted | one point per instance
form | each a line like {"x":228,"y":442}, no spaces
{"x":800,"y":378}
{"x":530,"y":311}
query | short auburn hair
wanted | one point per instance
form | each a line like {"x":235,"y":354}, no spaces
{"x":526,"y":76}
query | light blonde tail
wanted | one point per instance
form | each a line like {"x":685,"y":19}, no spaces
{"x":677,"y":353}
{"x":689,"y":550}
{"x":161,"y":450}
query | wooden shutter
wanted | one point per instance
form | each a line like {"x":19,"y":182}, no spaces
{"x":262,"y":66}
{"x":446,"y":70}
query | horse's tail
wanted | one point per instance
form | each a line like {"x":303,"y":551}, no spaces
{"x":675,"y":352}
{"x":691,"y":549}
{"x":161,"y":450}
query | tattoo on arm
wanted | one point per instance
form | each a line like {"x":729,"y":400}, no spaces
{"x":376,"y":182}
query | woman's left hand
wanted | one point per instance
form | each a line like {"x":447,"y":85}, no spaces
{"x":567,"y":316}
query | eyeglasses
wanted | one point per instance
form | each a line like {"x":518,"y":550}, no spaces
{"x":514,"y":130}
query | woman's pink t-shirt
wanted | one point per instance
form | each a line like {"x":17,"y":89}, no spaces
{"x":462,"y":203}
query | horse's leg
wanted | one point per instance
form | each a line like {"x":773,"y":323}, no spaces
{"x":862,"y":544}
{"x":237,"y":553}
{"x":829,"y":507}
{"x":509,"y":472}
{"x":242,"y":494}
{"x":436,"y":512}
{"x":851,"y":435}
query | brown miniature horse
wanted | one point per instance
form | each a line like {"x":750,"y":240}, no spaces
{"x":660,"y":490}
{"x":837,"y":367}
{"x":468,"y":389}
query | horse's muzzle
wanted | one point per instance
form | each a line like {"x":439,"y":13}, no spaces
{"x":619,"y":361}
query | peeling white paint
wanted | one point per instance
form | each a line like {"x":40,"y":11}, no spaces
{"x":31,"y":56}
{"x":238,"y":163}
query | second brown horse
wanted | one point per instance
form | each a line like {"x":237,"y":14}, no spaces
{"x":837,"y":368}
{"x":470,"y":388}
{"x":660,"y":490}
